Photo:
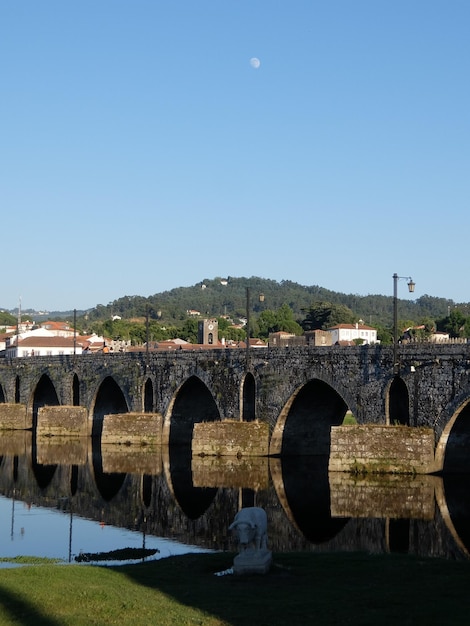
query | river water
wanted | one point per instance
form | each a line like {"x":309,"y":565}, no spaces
{"x":69,"y":499}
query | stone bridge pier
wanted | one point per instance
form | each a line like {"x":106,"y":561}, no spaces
{"x":300,"y":393}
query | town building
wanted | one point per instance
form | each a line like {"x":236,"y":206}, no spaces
{"x":283,"y":339}
{"x":59,"y":329}
{"x":40,"y":345}
{"x":318,"y":338}
{"x":344,"y":334}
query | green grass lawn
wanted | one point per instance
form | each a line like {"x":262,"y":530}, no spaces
{"x":349,"y":419}
{"x":300,"y":589}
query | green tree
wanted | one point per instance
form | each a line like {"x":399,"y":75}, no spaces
{"x":223,"y":324}
{"x":455,"y":324}
{"x":138,"y":334}
{"x":189,"y":331}
{"x":233,"y":334}
{"x":323,"y":315}
{"x":384,"y":335}
{"x":275,"y":321}
{"x":286,"y":321}
{"x":6,"y":319}
{"x":158,"y":333}
{"x":267,"y":323}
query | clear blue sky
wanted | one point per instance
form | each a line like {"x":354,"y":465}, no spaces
{"x":140,"y":150}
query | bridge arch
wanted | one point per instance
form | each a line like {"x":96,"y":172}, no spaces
{"x":17,"y":390}
{"x":248,"y":398}
{"x":75,"y":390}
{"x":398,"y":403}
{"x":148,"y":396}
{"x":109,"y":399}
{"x":44,"y":394}
{"x":304,"y":424}
{"x":453,"y":448}
{"x":192,"y":402}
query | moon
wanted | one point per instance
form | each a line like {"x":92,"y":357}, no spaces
{"x":255,"y":62}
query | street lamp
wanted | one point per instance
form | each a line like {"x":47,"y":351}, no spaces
{"x":74,"y":331}
{"x":248,"y":306}
{"x":147,"y":336}
{"x":247,"y":327}
{"x":411,"y":288}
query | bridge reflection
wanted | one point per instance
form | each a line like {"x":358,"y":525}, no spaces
{"x":164,"y":491}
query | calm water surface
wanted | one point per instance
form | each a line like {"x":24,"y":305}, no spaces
{"x":62,"y":498}
{"x":30,"y":530}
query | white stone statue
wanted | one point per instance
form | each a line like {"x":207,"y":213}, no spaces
{"x":251,"y":527}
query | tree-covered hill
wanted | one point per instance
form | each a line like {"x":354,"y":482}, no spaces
{"x":228,"y":296}
{"x":273,"y":306}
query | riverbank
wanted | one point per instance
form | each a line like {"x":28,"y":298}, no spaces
{"x":300,"y":589}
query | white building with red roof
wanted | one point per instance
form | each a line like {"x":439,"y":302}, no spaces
{"x":41,"y":345}
{"x":60,"y":329}
{"x":348,"y":333}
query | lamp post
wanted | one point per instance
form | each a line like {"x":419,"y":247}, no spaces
{"x":248,"y":306}
{"x":74,"y":332}
{"x":247,"y":327}
{"x":147,"y":335}
{"x":411,"y":288}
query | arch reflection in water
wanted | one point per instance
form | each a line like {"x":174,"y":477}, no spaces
{"x":166,"y":493}
{"x":305,"y":492}
{"x":108,"y":484}
{"x":456,"y":496}
{"x":457,"y":457}
{"x":194,"y":501}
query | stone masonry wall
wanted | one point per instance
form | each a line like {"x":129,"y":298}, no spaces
{"x":382,"y":449}
{"x":14,"y":417}
{"x":70,"y":421}
{"x":230,"y":438}
{"x":132,"y":428}
{"x":383,"y":495}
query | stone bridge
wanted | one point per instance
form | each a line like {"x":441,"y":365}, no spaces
{"x":300,"y":393}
